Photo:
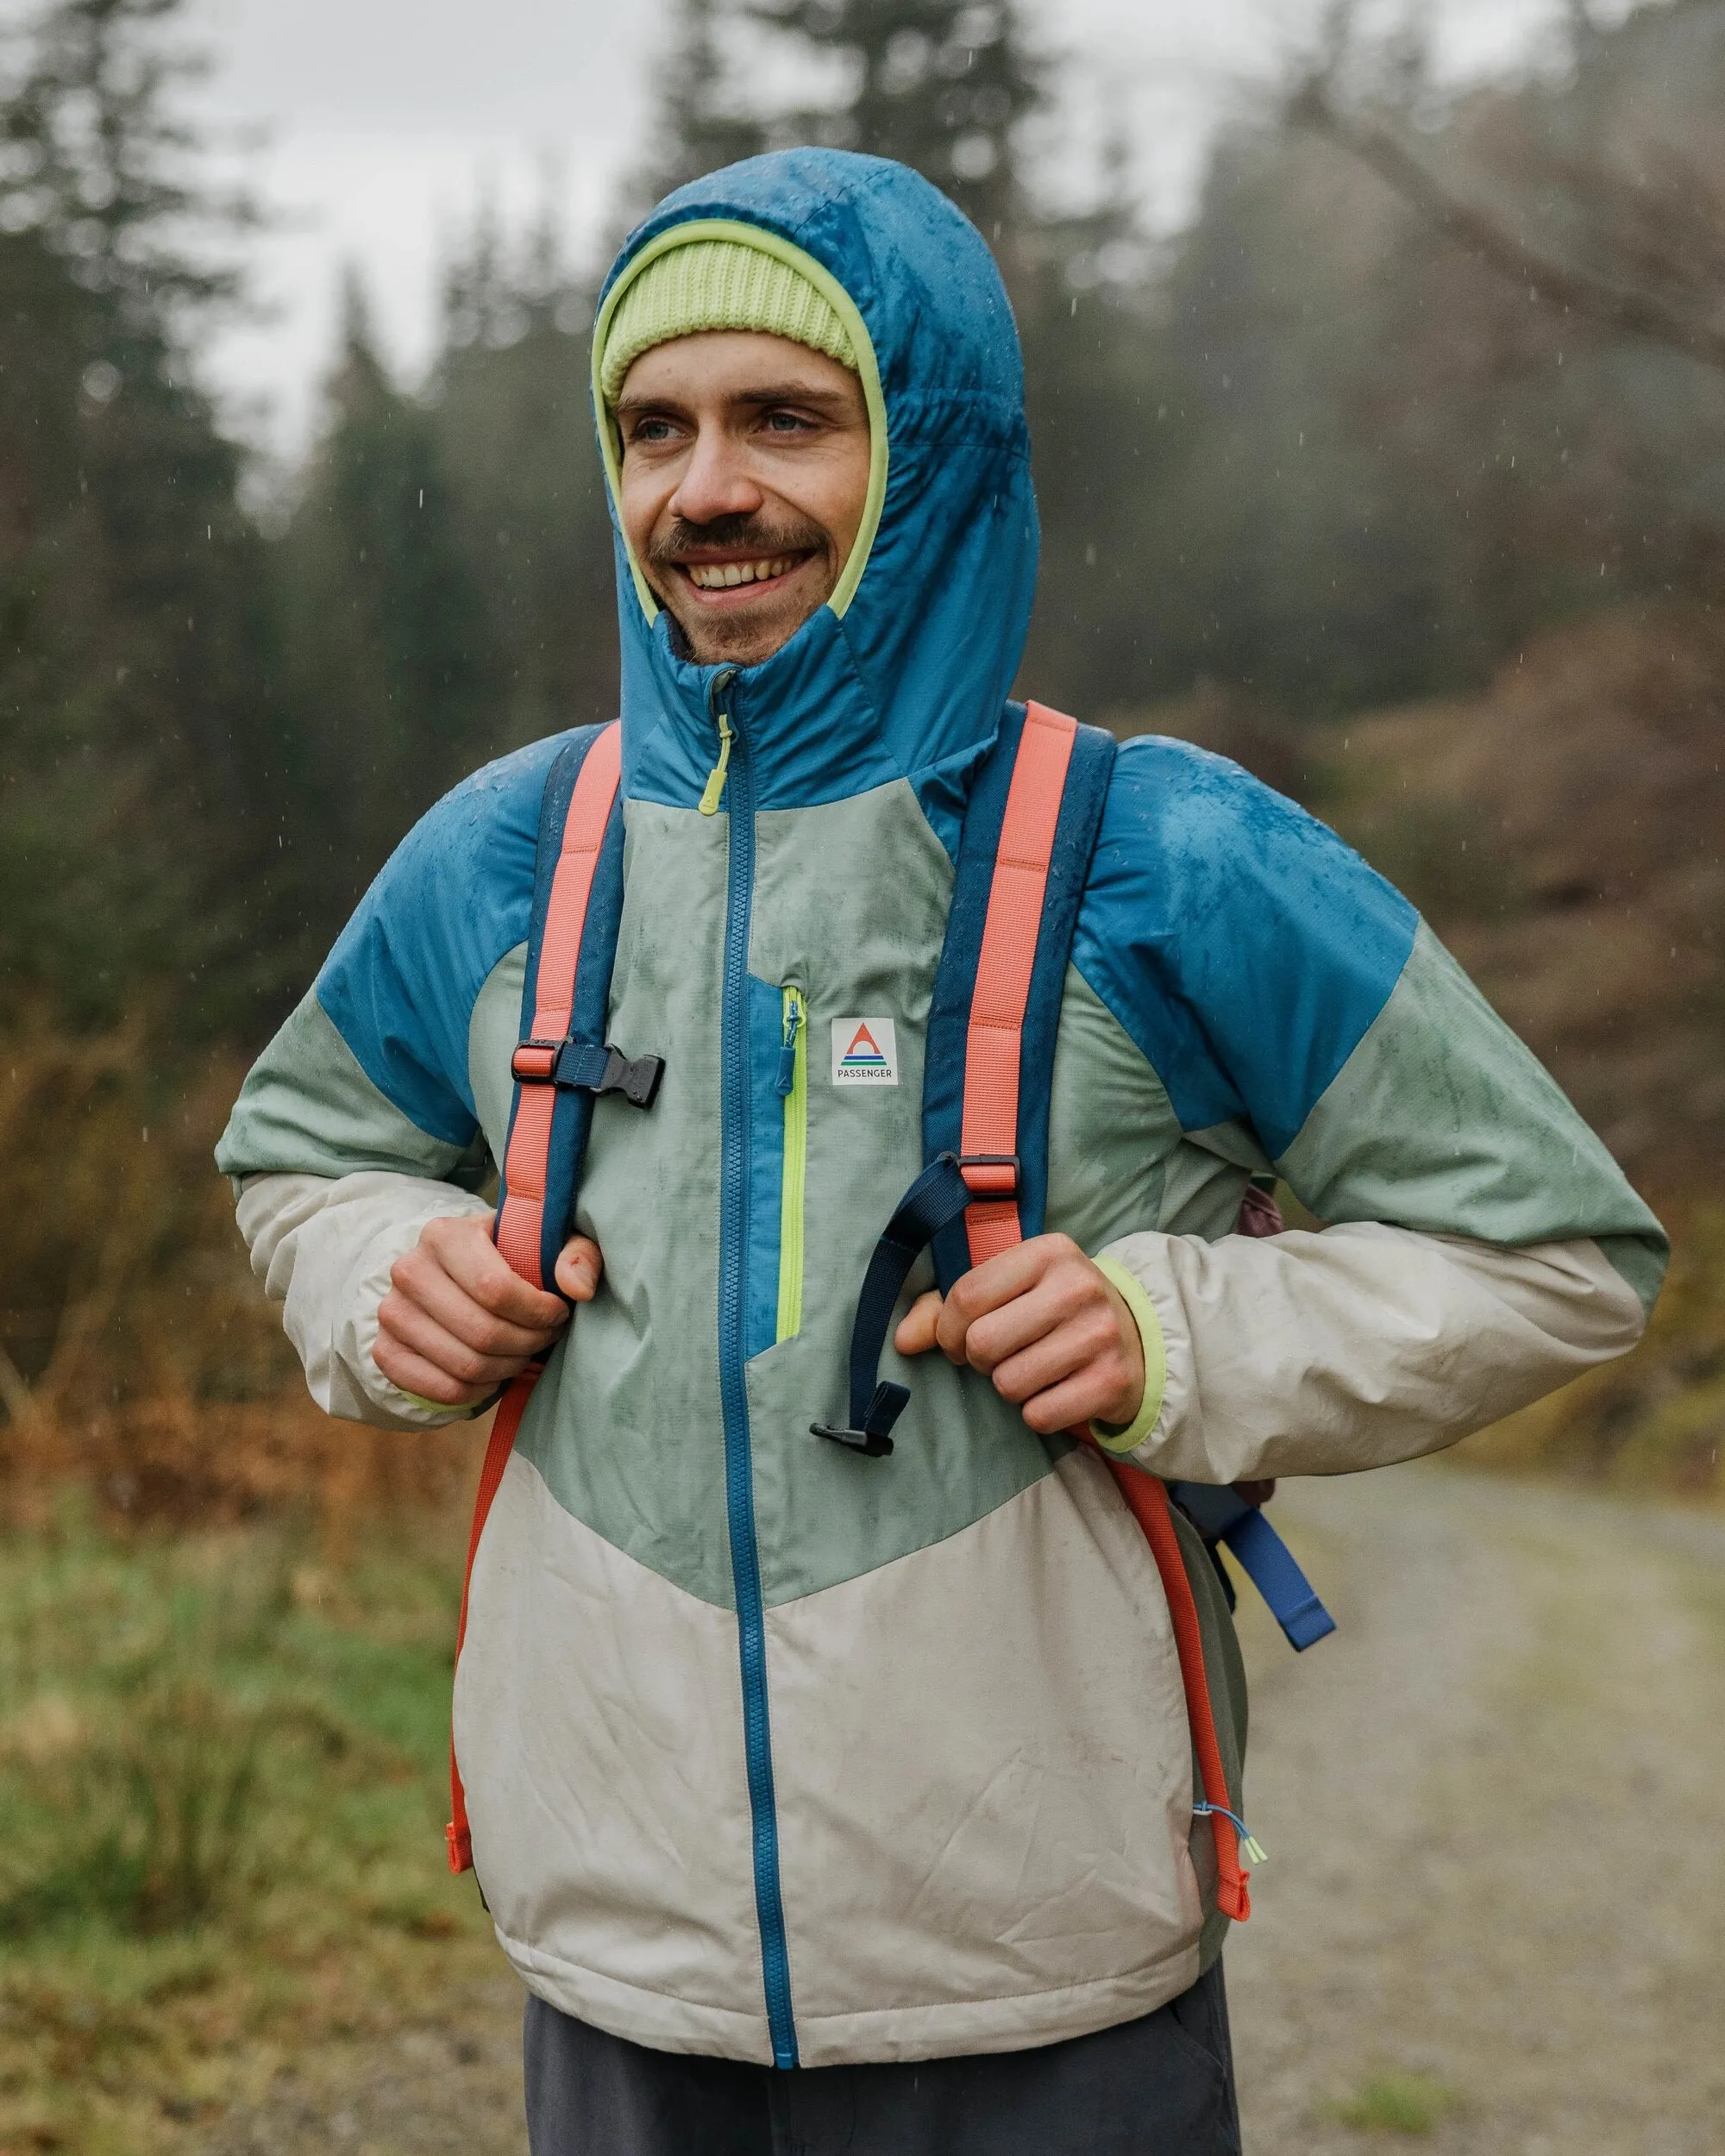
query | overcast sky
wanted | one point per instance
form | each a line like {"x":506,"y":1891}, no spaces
{"x":384,"y":118}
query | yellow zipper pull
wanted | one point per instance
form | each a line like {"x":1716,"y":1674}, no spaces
{"x":715,"y":784}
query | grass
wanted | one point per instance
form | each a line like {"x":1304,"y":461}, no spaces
{"x":223,"y":1783}
{"x":1396,"y":2102}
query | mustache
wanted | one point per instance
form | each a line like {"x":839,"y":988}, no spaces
{"x":761,"y":536}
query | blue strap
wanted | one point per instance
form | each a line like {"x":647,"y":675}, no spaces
{"x":1271,"y":1566}
{"x":934,"y":1200}
{"x":1221,"y":1514}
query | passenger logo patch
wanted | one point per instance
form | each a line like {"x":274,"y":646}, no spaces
{"x":865,"y":1052}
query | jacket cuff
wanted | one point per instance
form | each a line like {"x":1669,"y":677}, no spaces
{"x":1111,"y":1437}
{"x":443,"y":1407}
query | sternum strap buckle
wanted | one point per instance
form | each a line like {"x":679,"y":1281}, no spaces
{"x":579,"y":1065}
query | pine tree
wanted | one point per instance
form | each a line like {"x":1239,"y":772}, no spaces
{"x":942,"y":85}
{"x":134,"y":712}
{"x":700,"y":122}
{"x":395,"y":679}
{"x":512,"y":415}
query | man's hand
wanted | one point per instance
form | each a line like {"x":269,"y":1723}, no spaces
{"x":458,"y":1321}
{"x":1047,"y":1326}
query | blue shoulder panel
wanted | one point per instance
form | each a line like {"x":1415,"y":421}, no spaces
{"x":1242,"y":946}
{"x":400,"y":985}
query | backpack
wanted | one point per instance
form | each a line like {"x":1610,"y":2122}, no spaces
{"x":1030,"y":829}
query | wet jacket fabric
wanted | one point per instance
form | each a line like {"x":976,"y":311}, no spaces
{"x":772,"y":1752}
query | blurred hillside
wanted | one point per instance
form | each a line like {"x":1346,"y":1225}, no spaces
{"x":1564,"y":831}
{"x":1399,"y":473}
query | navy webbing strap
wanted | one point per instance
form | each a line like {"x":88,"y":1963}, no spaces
{"x":936,"y":1200}
{"x":1221,"y":1514}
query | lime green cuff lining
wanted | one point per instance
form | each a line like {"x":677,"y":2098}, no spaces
{"x":442,"y":1407}
{"x":1109,"y":1437}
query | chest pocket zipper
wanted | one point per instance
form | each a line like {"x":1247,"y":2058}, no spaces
{"x":793,"y":1090}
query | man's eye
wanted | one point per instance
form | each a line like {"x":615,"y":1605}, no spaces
{"x":785,"y":423}
{"x":652,"y":430}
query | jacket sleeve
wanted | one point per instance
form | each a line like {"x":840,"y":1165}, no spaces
{"x":1481,"y":1246}
{"x":322,"y":1247}
{"x":359,"y":1122}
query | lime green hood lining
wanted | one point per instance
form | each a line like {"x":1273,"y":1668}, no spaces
{"x":848,"y":312}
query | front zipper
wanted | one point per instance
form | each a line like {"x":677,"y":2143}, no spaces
{"x":734,"y":770}
{"x":794,"y":1086}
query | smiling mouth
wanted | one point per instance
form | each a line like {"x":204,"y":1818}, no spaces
{"x":730,"y":576}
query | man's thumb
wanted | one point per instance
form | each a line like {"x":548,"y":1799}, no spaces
{"x":579,"y":1267}
{"x":915,"y":1335}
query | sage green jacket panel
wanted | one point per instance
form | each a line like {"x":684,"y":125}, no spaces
{"x":624,"y":1428}
{"x":617,"y":1414}
{"x":308,"y":1108}
{"x":1482,"y":1143}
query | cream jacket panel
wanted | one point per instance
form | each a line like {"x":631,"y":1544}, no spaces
{"x":1320,"y":1354}
{"x":323,"y":1247}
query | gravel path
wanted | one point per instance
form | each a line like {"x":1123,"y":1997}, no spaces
{"x":1495,"y":1808}
{"x":1495,"y":1805}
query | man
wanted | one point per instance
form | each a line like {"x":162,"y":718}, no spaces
{"x":776,"y":1758}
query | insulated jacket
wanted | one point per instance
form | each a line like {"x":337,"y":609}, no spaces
{"x":771,"y":1750}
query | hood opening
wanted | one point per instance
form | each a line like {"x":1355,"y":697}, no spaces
{"x":869,"y":371}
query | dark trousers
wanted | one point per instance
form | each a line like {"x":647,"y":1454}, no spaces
{"x":1162,"y":2085}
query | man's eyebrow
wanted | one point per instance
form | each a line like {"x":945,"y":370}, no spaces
{"x":791,"y":393}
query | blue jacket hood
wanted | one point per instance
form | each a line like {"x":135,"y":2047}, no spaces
{"x":910,"y":679}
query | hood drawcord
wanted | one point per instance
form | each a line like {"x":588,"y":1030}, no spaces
{"x":715,"y":784}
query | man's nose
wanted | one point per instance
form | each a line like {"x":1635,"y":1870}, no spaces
{"x":716,"y":481}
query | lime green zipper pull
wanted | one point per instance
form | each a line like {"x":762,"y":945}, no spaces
{"x":793,"y":1088}
{"x":715,"y":784}
{"x":718,"y":688}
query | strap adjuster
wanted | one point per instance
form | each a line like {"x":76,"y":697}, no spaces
{"x":990,"y":1175}
{"x":873,"y":1437}
{"x":576,"y":1065}
{"x":534,"y":1062}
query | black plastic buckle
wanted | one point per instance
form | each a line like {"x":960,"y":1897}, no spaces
{"x":586,"y":1066}
{"x":638,"y":1080}
{"x":988,"y":1194}
{"x":874,"y":1439}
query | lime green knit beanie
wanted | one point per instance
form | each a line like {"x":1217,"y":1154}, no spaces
{"x":717,"y":284}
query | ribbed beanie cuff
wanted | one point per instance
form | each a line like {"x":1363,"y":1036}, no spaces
{"x":717,"y":284}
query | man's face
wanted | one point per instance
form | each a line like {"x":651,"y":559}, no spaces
{"x":745,"y":469}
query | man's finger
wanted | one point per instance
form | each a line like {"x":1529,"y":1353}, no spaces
{"x":1055,"y":1355}
{"x":1000,"y":1279}
{"x":579,"y":1269}
{"x":413,"y":1374}
{"x":403,"y":1321}
{"x":916,"y":1334}
{"x":1078,"y":1400}
{"x":470,"y":1257}
{"x":1060,"y":1296}
{"x":423,"y":1280}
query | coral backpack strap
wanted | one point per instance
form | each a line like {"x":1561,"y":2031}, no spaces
{"x":563,"y":1063}
{"x":560,"y":1067}
{"x":1029,"y":832}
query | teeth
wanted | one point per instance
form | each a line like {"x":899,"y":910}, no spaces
{"x":713,"y":576}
